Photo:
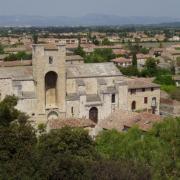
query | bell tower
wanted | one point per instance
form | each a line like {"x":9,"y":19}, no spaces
{"x":50,"y":81}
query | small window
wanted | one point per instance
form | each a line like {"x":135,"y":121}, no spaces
{"x":152,"y":89}
{"x":113,"y":98}
{"x":50,"y":59}
{"x":133,"y":91}
{"x":143,"y":89}
{"x":145,"y":100}
{"x":72,"y":111}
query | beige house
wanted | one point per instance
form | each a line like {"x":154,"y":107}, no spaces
{"x":51,"y":88}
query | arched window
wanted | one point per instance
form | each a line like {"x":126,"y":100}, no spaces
{"x":113,"y":98}
{"x":133,"y":106}
{"x":93,"y":114}
{"x":154,"y":102}
{"x":154,"y":105}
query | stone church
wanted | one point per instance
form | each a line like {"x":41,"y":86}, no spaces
{"x":54,"y":86}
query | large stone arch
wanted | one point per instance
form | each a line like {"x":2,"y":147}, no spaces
{"x":51,"y":89}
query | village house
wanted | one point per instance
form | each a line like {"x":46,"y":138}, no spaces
{"x":122,"y":62}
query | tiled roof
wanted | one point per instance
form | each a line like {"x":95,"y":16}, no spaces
{"x":143,"y":120}
{"x":74,"y":58}
{"x":16,"y":63}
{"x":57,"y":124}
{"x":92,"y":70}
{"x":176,"y":78}
{"x":121,"y":60}
{"x":17,"y":72}
{"x":72,"y":97}
{"x":120,"y":119}
{"x":93,"y":98}
{"x":140,"y":83}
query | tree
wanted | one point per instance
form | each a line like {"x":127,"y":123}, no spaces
{"x":35,"y":38}
{"x":64,"y":148}
{"x":1,"y":49}
{"x":106,"y":42}
{"x":159,"y":149}
{"x":134,"y":60}
{"x":150,"y":67}
{"x":17,"y":142}
{"x":100,"y":55}
{"x":8,"y":113}
{"x":22,"y":55}
{"x":129,"y":71}
{"x":175,"y":94}
{"x":79,"y":51}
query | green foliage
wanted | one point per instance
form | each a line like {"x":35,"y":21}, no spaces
{"x":95,"y":41}
{"x":79,"y":51}
{"x":144,"y":50}
{"x":66,"y":141}
{"x":129,"y":71}
{"x":70,"y":153}
{"x":150,"y":69}
{"x":1,"y":49}
{"x":105,"y":41}
{"x":164,"y":80}
{"x":134,"y":60}
{"x":175,"y":94}
{"x":178,"y":61}
{"x":100,"y":55}
{"x":7,"y":111}
{"x":168,"y":88}
{"x":19,"y":56}
{"x":159,"y":149}
{"x":120,"y":170}
{"x":35,"y":38}
{"x":17,"y":142}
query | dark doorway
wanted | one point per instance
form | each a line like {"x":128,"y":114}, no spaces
{"x":93,"y":114}
{"x":133,"y":105}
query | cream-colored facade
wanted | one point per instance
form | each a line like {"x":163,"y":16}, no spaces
{"x":53,"y":89}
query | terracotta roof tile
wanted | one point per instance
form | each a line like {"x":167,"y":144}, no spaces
{"x":57,"y":124}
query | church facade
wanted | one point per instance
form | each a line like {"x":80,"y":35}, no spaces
{"x":51,"y":88}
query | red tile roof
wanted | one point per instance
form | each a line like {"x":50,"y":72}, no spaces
{"x":125,"y":119}
{"x":121,"y":60}
{"x":59,"y":123}
{"x":15,"y":63}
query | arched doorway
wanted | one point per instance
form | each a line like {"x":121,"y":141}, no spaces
{"x":53,"y":115}
{"x":133,"y":106}
{"x":93,"y":114}
{"x":51,"y":89}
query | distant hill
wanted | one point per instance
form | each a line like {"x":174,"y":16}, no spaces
{"x":88,"y":20}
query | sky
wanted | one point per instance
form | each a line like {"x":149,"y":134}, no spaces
{"x":155,"y":8}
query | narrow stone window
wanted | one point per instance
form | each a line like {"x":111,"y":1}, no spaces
{"x":145,"y":100}
{"x":133,"y":91}
{"x":72,"y":111}
{"x":50,"y":59}
{"x":113,"y":98}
